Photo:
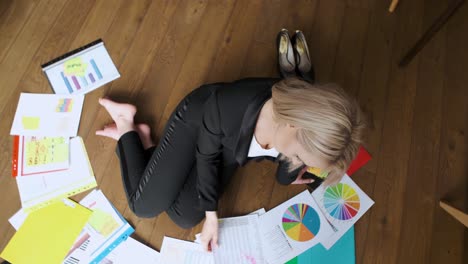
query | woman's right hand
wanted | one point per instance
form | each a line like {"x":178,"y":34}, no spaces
{"x":300,"y":180}
{"x":209,"y":235}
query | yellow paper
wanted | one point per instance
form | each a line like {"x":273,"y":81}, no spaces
{"x":46,"y":150}
{"x":317,"y":172}
{"x":30,"y":122}
{"x":103,"y":222}
{"x":47,"y":234}
{"x":75,"y":66}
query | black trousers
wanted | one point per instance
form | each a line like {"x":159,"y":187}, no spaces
{"x":164,"y":177}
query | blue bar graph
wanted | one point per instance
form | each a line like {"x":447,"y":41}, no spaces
{"x":67,"y":83}
{"x":96,"y":69}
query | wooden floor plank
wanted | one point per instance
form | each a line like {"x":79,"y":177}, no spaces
{"x":326,"y":33}
{"x":13,"y":17}
{"x":238,"y":36}
{"x":420,"y":199}
{"x":25,"y":46}
{"x":392,"y":172}
{"x":448,"y":241}
{"x":203,"y":49}
{"x":169,"y":57}
{"x":348,"y":65}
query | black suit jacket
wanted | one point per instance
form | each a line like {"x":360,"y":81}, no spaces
{"x":228,"y":124}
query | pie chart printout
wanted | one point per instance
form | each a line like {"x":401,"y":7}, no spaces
{"x":341,"y":201}
{"x":301,"y":222}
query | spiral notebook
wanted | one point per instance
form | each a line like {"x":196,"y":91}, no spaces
{"x":41,"y":189}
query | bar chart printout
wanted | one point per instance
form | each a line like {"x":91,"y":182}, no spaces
{"x":81,"y":71}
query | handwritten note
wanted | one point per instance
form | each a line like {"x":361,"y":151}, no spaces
{"x":46,"y":150}
{"x":75,"y":66}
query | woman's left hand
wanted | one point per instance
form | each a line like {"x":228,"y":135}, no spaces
{"x":300,"y":180}
{"x":209,"y":234}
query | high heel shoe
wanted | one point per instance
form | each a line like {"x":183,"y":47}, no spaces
{"x":286,"y":61}
{"x":304,"y":65}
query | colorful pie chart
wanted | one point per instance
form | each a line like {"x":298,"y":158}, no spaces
{"x":341,"y":201}
{"x":301,"y":222}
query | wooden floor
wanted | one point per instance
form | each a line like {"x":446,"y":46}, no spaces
{"x":418,"y":116}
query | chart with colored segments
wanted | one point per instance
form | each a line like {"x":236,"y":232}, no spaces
{"x":301,"y":222}
{"x":341,"y":201}
{"x":342,"y":205}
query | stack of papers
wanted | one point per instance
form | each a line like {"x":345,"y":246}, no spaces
{"x":104,"y":231}
{"x":102,"y":238}
{"x":47,"y":234}
{"x":47,"y":164}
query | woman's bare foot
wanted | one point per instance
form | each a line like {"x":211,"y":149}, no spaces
{"x":122,"y":114}
{"x":109,"y":131}
{"x":144,"y":132}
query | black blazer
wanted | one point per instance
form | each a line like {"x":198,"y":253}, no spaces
{"x":228,"y":123}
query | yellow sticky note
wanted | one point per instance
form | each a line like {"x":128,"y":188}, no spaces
{"x":75,"y":66}
{"x":103,"y":222}
{"x":47,"y":234}
{"x":31,"y":122}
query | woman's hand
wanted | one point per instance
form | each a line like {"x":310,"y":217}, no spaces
{"x":209,"y":235}
{"x":300,"y":180}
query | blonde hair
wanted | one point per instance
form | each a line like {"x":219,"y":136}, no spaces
{"x":329,"y":121}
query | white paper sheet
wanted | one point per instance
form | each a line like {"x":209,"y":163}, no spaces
{"x":239,"y":241}
{"x":258,"y":212}
{"x":176,"y":251}
{"x":47,"y":115}
{"x":291,"y":228}
{"x":18,"y":219}
{"x":342,"y":205}
{"x":38,"y":190}
{"x":98,"y":69}
{"x":132,"y":251}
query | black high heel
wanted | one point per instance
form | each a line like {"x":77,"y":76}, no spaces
{"x":304,"y":65}
{"x":286,"y":60}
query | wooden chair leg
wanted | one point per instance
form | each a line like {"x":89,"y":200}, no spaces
{"x":457,"y":214}
{"x":393,"y":6}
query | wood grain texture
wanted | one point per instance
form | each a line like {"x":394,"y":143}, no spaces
{"x":417,"y":116}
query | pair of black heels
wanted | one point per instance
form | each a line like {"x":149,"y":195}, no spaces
{"x":293,"y":56}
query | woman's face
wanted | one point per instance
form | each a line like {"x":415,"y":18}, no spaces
{"x":285,"y":141}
